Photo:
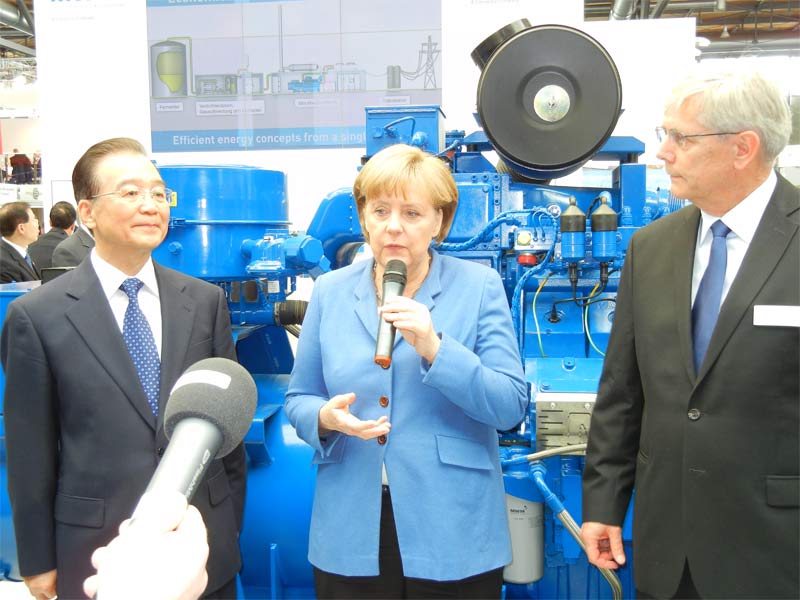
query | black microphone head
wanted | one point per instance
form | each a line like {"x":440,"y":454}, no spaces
{"x":217,"y":390}
{"x":395,"y":271}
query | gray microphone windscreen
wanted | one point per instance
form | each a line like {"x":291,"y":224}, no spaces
{"x":395,"y":271}
{"x":217,"y":390}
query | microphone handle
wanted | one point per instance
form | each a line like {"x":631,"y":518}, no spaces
{"x":386,"y":331}
{"x":193,"y":445}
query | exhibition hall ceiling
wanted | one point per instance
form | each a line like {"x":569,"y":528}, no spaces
{"x":724,"y":27}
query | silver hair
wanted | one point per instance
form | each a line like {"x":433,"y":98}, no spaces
{"x":739,"y":101}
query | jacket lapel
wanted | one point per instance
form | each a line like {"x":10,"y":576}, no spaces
{"x":365,"y":297}
{"x":92,"y":318}
{"x":682,"y":266}
{"x":769,"y":243}
{"x":177,"y":317}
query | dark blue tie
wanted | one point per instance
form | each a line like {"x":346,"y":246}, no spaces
{"x":141,"y":343}
{"x":707,"y":301}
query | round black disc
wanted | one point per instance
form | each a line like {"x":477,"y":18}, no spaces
{"x":548,"y":98}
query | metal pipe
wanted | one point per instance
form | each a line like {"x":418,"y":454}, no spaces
{"x":11,"y":16}
{"x":544,"y":454}
{"x":659,"y":8}
{"x":621,"y":10}
{"x":644,"y":9}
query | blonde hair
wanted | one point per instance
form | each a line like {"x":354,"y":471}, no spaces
{"x":394,"y":169}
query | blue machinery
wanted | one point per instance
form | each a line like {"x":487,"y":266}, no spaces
{"x":548,"y":100}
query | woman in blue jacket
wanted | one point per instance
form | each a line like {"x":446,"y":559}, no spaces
{"x":409,"y":498}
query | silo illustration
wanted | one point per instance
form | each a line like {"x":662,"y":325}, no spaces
{"x":168,"y":69}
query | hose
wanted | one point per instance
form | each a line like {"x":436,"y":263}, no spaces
{"x":552,"y":501}
{"x":289,"y":312}
{"x":544,"y":454}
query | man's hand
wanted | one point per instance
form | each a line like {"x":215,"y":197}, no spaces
{"x":42,"y":586}
{"x":603,"y":543}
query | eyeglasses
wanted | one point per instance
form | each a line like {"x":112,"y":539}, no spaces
{"x":133,"y":194}
{"x":679,"y":139}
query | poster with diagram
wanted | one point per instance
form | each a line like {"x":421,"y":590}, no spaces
{"x":282,"y":74}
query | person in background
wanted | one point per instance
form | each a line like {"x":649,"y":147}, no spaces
{"x":697,"y":408}
{"x":71,"y":251}
{"x":90,"y":359}
{"x":21,"y":168}
{"x":409,"y":499}
{"x":37,"y":167}
{"x":62,"y":224}
{"x":169,"y":537}
{"x":19,"y":228}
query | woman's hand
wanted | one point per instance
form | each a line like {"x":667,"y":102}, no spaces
{"x":413,"y":321}
{"x":335,"y":415}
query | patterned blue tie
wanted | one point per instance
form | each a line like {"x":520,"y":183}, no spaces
{"x":709,"y":294}
{"x":141,"y":344}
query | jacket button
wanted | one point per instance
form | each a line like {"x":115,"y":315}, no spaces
{"x":381,"y":439}
{"x":694,"y":414}
{"x":160,"y":451}
{"x":384,"y":401}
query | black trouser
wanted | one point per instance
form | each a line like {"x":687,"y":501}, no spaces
{"x":391,"y":583}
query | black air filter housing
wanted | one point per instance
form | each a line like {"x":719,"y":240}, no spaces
{"x":548,"y":97}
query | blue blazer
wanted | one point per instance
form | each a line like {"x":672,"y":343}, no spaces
{"x":442,"y":455}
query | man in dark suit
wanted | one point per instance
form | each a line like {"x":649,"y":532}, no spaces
{"x":84,"y":419}
{"x":19,"y":228}
{"x":71,"y":251}
{"x":62,"y":224}
{"x":697,"y":407}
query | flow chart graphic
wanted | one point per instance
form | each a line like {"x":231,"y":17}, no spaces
{"x":267,"y":74}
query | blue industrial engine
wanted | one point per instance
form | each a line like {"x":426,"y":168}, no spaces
{"x":548,"y":99}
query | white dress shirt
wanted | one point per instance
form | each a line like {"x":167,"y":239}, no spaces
{"x":742,"y":220}
{"x":150,"y":303}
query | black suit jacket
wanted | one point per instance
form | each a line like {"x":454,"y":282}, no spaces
{"x":713,"y":455}
{"x":13,"y":267}
{"x":72,"y":251}
{"x":82,"y":442}
{"x":41,"y":251}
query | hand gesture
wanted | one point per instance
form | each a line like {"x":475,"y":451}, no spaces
{"x":335,"y":415}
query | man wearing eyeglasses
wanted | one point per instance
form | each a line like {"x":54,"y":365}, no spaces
{"x":697,"y":408}
{"x":90,"y":359}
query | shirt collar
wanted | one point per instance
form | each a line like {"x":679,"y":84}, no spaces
{"x":111,"y":277}
{"x":23,"y":251}
{"x":743,"y":219}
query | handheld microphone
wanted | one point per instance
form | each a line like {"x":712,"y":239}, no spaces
{"x":208,"y":413}
{"x":394,"y":282}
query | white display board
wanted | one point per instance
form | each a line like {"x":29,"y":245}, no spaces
{"x":101,"y":87}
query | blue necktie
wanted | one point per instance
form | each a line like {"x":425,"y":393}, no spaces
{"x":707,"y":301}
{"x":29,"y":261}
{"x":141,"y":344}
